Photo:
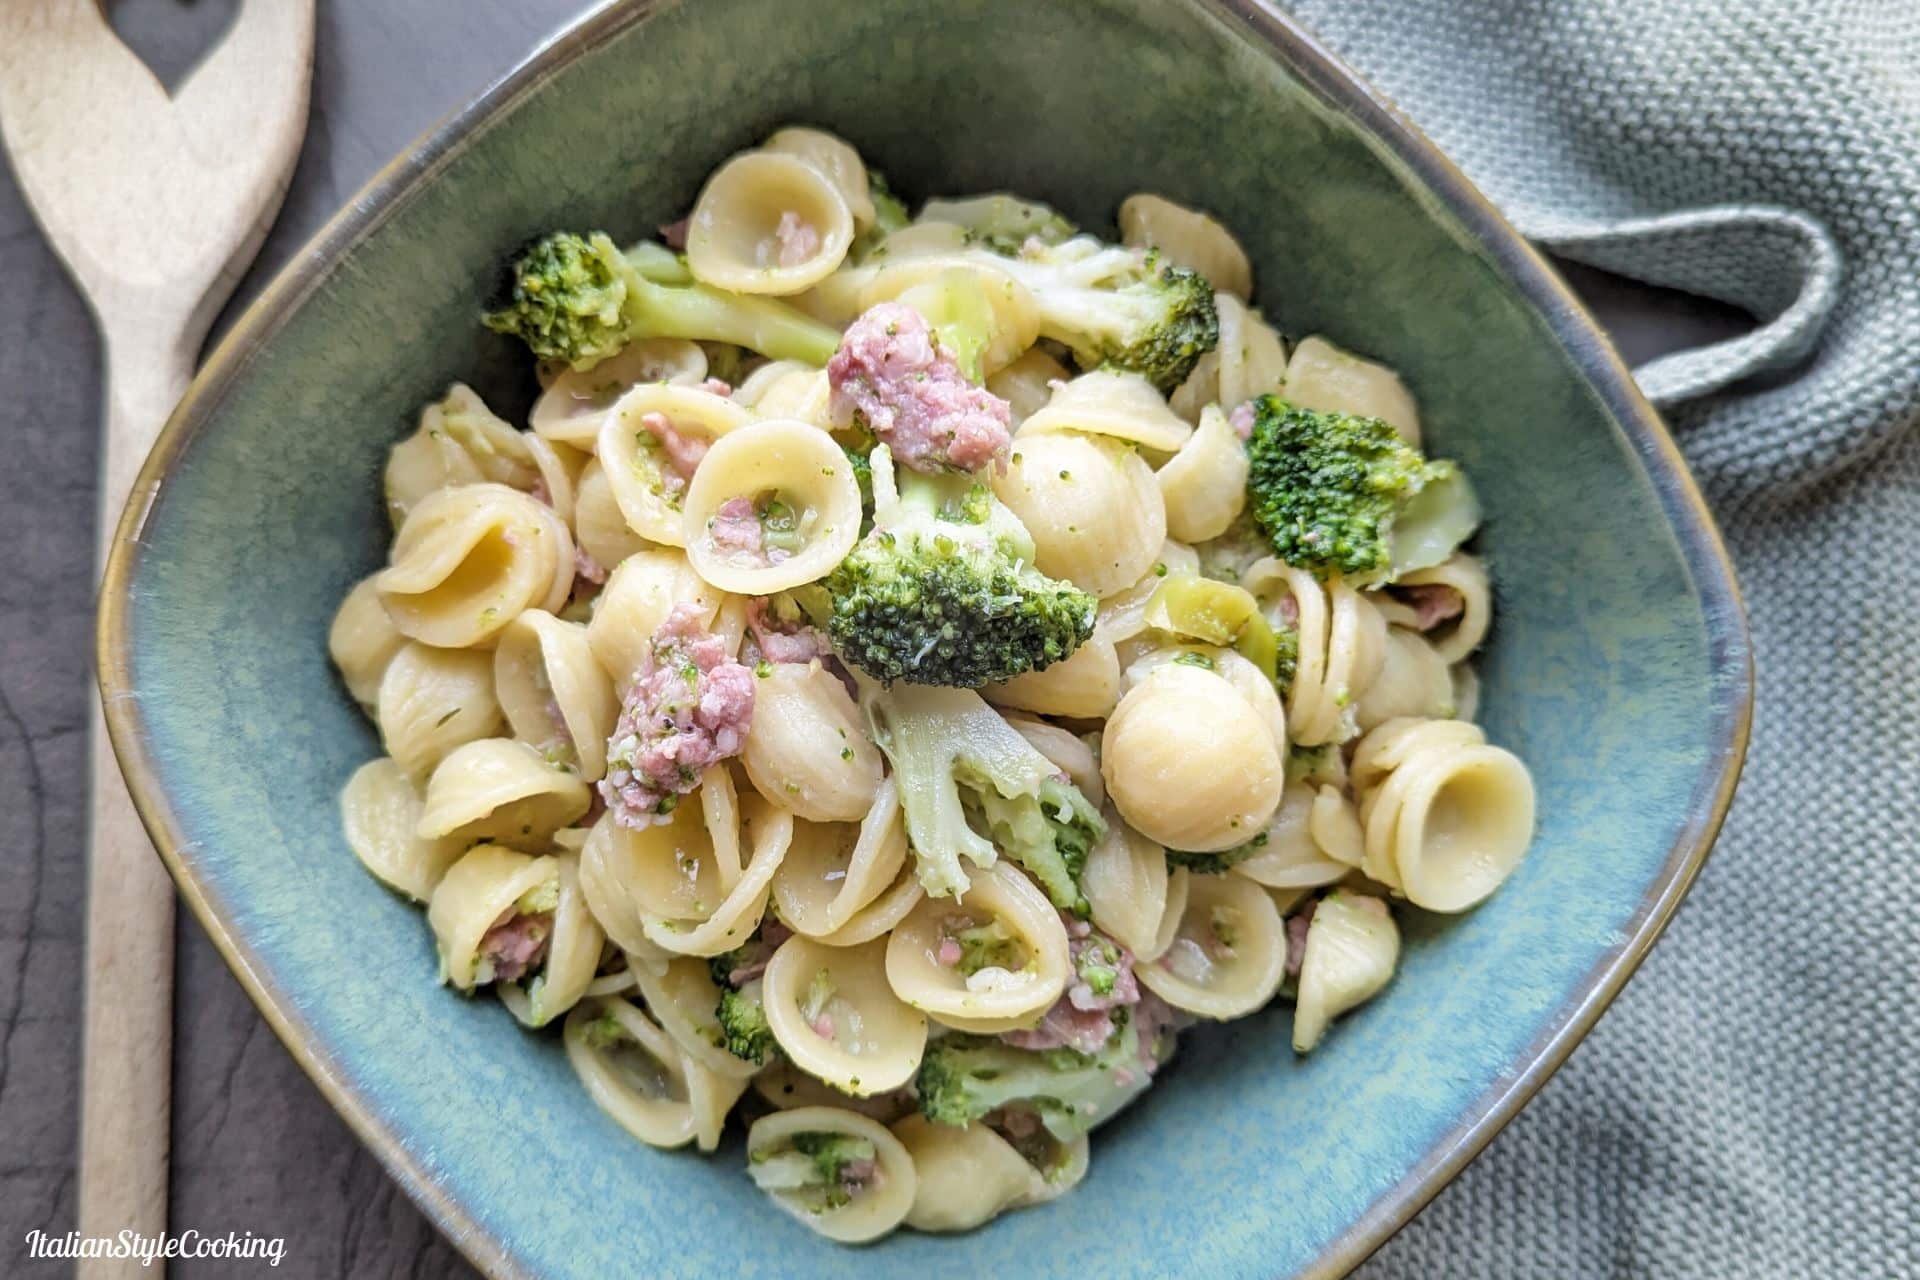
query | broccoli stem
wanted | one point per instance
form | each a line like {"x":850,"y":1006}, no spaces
{"x":703,"y":313}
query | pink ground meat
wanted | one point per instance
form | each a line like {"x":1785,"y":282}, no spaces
{"x":891,"y":375}
{"x":1297,"y":938}
{"x":1241,"y":420}
{"x":735,"y":529}
{"x":516,"y":944}
{"x":795,"y":240}
{"x":779,"y":641}
{"x":674,"y":234}
{"x":689,"y":707}
{"x":586,"y":568}
{"x":1433,"y":603}
{"x":1081,"y":1020}
{"x":753,"y":961}
{"x":683,"y":452}
{"x":717,"y":387}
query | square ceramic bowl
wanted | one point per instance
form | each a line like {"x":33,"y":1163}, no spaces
{"x":1619,"y":669}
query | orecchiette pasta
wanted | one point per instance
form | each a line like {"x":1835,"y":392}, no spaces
{"x":841,"y":1174}
{"x":1189,"y":238}
{"x":553,"y":692}
{"x":498,"y":789}
{"x":433,"y":700}
{"x":575,"y":404}
{"x":1091,"y":504}
{"x":1189,"y":763}
{"x":1352,"y":949}
{"x":362,"y":641}
{"x":1228,"y":953}
{"x":1204,"y":485}
{"x":773,"y":506}
{"x":651,"y":447}
{"x":1322,"y":376}
{"x":1022,"y":955}
{"x":768,"y":222}
{"x":468,"y":560}
{"x":836,"y":1018}
{"x":887,"y":697}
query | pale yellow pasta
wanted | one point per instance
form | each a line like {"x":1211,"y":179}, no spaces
{"x":573,"y":954}
{"x":1390,"y":745}
{"x":1123,"y":615}
{"x":640,"y":469}
{"x":1091,"y":505}
{"x":487,"y":885}
{"x":1228,"y":955}
{"x":1353,"y":947}
{"x":637,"y":1075}
{"x":1448,"y":819}
{"x":1413,"y":680}
{"x":768,"y":223}
{"x":968,"y":1174}
{"x":994,"y":998}
{"x":804,"y":395}
{"x":1204,"y":485}
{"x":1465,"y":575}
{"x":839,"y":298}
{"x":553,"y":691}
{"x":1466,"y":691}
{"x":762,"y":381}
{"x":1201,"y":388}
{"x":1322,"y":376}
{"x":1084,"y":685}
{"x":864,"y":1211}
{"x":379,"y":808}
{"x":767,"y":832}
{"x":834,"y":157}
{"x":807,"y":747}
{"x":499,"y":789}
{"x":1252,"y":358}
{"x":784,"y":1087}
{"x":918,"y":281}
{"x":683,"y":999}
{"x":599,"y":526}
{"x":638,"y":597}
{"x":1189,"y":763}
{"x":1189,"y":239}
{"x":877,"y":918}
{"x":834,"y":870}
{"x":468,"y":560}
{"x":1109,"y":402}
{"x":1247,"y":679}
{"x":362,"y":641}
{"x":1028,"y":383}
{"x":575,"y":404}
{"x":1179,"y":887}
{"x":561,"y":466}
{"x":1289,"y":855}
{"x":1342,"y":642}
{"x":683,"y":867}
{"x":835,"y":1017}
{"x":459,"y":442}
{"x":433,"y":700}
{"x":1071,"y":755}
{"x":791,"y":463}
{"x":1065,"y":1168}
{"x":1125,"y":882}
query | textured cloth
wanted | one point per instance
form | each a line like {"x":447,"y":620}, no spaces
{"x":1751,"y":1105}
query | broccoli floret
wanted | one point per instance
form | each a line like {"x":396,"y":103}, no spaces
{"x":889,"y":215}
{"x":1123,"y":307}
{"x":579,"y":299}
{"x":943,"y":589}
{"x":1339,"y":494}
{"x":1002,"y":223}
{"x":988,"y":946}
{"x":964,"y":1077}
{"x":1219,"y":862}
{"x":953,"y":758}
{"x":743,"y":1020}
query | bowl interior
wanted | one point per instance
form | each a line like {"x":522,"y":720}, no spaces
{"x":1612,"y":672}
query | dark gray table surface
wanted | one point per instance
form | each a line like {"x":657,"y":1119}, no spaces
{"x":254,"y":1146}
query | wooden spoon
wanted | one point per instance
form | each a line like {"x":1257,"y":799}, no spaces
{"x":157,"y":204}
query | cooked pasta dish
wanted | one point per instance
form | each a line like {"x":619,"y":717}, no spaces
{"x":911,"y":667}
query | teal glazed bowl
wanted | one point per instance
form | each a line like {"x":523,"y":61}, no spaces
{"x":1619,"y":671}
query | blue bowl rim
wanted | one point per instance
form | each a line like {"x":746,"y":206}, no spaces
{"x":1710,"y":568}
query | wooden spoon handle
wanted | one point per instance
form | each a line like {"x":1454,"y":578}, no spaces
{"x":126,"y":1085}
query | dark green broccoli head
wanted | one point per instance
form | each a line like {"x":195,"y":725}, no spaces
{"x":1158,"y":327}
{"x":1339,"y":494}
{"x":743,"y":1021}
{"x":564,"y":298}
{"x":943,"y":591}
